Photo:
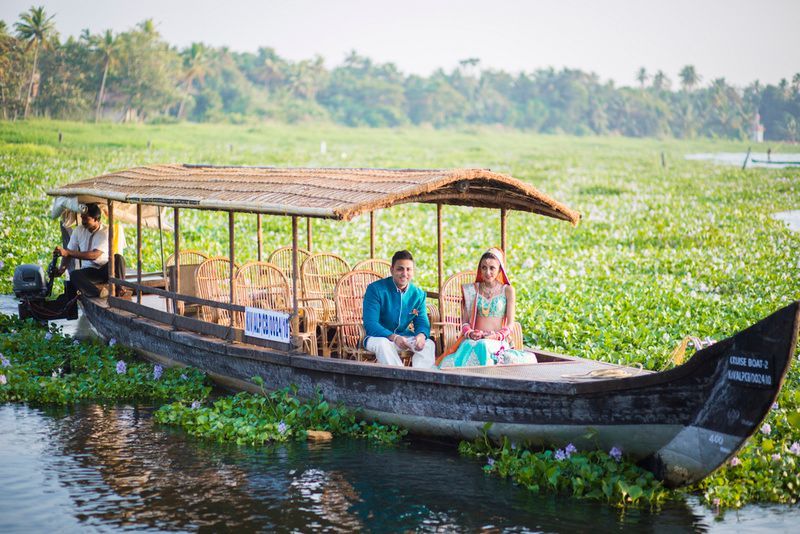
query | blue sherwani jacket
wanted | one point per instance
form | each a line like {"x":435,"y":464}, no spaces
{"x":387,"y":311}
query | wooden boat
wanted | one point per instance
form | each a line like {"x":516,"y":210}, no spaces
{"x":681,"y":424}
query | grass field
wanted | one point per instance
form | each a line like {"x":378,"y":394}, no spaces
{"x":661,"y":252}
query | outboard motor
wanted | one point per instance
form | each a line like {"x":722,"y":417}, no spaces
{"x":32,"y":288}
{"x":29,"y":282}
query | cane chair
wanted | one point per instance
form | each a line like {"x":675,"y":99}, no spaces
{"x":261,"y":284}
{"x":189,"y":261}
{"x":213,"y":283}
{"x":452,"y":301}
{"x":319,"y":274}
{"x":382,"y":267}
{"x":348,"y":297}
{"x":282,"y":257}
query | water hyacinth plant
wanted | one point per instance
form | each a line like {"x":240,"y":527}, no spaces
{"x":279,"y":416}
{"x":44,"y":367}
{"x":594,"y":475}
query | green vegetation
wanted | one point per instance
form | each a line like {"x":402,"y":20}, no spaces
{"x":661,"y":252}
{"x":136,"y":76}
{"x":276,"y":416}
{"x":593,"y":475}
{"x":42,"y":366}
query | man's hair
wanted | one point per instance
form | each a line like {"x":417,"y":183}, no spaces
{"x":93,"y":211}
{"x":401,"y":255}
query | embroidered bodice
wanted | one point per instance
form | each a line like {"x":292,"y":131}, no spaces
{"x":493,"y":307}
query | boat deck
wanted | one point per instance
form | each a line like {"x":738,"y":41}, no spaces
{"x":567,"y":370}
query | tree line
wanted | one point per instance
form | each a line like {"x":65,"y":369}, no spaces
{"x":137,"y":76}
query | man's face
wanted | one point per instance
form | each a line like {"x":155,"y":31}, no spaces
{"x":402,"y":272}
{"x":89,"y":222}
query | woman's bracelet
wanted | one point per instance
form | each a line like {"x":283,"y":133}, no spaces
{"x":466,"y":328}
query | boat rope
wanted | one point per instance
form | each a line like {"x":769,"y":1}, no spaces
{"x":602,"y":374}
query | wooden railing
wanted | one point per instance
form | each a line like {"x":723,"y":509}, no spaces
{"x":225,"y":332}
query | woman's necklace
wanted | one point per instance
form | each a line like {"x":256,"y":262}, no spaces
{"x":485,"y":304}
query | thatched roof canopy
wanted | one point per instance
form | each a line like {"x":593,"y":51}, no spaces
{"x":330,"y":193}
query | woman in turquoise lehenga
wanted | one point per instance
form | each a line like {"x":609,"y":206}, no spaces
{"x":488,"y":313}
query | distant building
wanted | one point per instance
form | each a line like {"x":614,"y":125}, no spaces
{"x":757,"y":132}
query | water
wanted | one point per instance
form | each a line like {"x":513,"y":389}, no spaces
{"x":110,"y":468}
{"x":734,"y":158}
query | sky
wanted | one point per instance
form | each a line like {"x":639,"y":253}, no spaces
{"x":740,"y":40}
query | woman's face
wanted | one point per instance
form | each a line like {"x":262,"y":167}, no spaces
{"x":489,"y":268}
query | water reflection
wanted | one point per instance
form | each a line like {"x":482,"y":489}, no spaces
{"x":111,"y":467}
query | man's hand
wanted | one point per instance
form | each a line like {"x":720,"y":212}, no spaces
{"x":419,"y":342}
{"x":401,"y":342}
{"x":61,"y":251}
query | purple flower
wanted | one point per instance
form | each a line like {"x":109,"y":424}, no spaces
{"x":48,"y":336}
{"x":157,"y":372}
{"x":121,"y":367}
{"x":282,"y":427}
{"x":112,"y":342}
{"x":5,"y":362}
{"x":774,"y":405}
{"x":735,"y":461}
{"x":3,"y":380}
{"x":196,"y":405}
{"x":795,"y":448}
{"x":615,"y":453}
{"x":716,"y":501}
{"x":766,"y":429}
{"x":776,"y":457}
{"x":490,"y":462}
{"x":76,"y":342}
{"x":184,"y":377}
{"x":560,"y":455}
{"x":570,"y":449}
{"x":2,"y":264}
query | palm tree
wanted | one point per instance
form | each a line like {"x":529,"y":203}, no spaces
{"x":660,"y":81}
{"x":34,"y":27}
{"x":689,"y":77}
{"x":196,"y":62}
{"x":642,"y":76}
{"x":106,"y":44}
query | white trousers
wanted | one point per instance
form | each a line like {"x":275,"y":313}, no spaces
{"x":388,"y":353}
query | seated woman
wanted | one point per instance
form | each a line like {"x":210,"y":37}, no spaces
{"x":488,"y":313}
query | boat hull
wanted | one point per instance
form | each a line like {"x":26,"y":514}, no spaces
{"x":681,"y":424}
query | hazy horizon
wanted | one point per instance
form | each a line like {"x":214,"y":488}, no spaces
{"x":740,"y":40}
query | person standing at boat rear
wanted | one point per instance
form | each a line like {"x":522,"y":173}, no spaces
{"x":89,"y":245}
{"x":392,"y":306}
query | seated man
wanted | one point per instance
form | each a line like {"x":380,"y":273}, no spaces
{"x":391,"y":306}
{"x":89,"y":245}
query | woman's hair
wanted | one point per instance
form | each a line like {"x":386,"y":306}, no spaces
{"x":488,"y":256}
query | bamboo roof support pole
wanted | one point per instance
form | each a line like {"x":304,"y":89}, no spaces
{"x":176,"y":213}
{"x":161,"y":241}
{"x":111,"y":273}
{"x":259,"y":235}
{"x":295,"y":275}
{"x":139,"y":252}
{"x":503,"y":226}
{"x":309,"y":241}
{"x":231,"y":259}
{"x":371,"y":234}
{"x":440,"y":249}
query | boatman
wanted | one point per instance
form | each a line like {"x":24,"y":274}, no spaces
{"x":392,"y":307}
{"x":88,"y":244}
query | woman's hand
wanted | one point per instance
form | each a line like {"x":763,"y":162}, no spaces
{"x":475,"y":335}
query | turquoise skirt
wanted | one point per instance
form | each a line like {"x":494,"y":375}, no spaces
{"x":485,"y":352}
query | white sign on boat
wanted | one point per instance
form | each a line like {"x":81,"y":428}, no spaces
{"x":267,"y":324}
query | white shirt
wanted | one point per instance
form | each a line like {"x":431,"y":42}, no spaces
{"x":82,"y":240}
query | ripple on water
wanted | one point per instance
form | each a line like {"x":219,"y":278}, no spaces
{"x":110,"y":468}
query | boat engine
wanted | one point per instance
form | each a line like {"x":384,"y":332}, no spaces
{"x":32,"y":287}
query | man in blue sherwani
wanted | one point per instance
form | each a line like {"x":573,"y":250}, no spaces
{"x":392,"y":307}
